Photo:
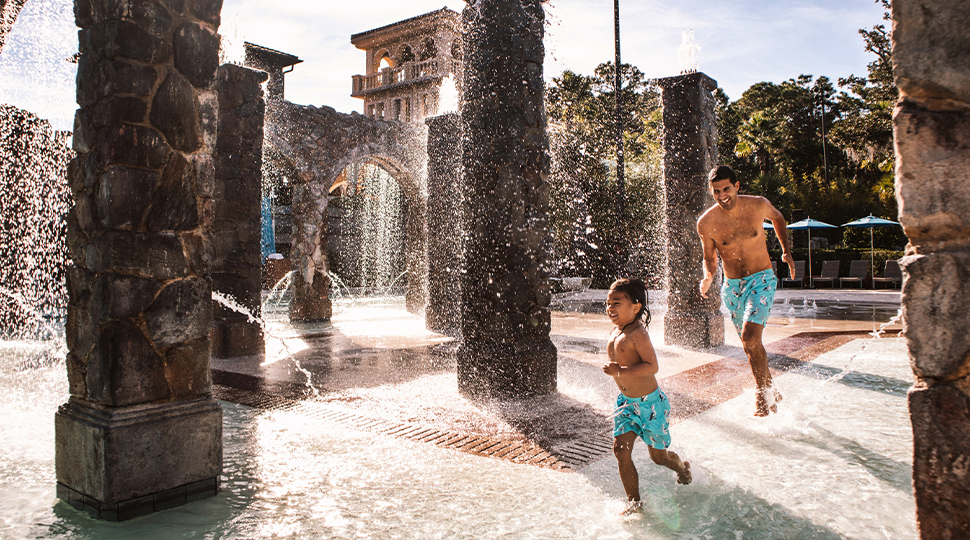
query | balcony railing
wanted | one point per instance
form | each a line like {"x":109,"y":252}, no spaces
{"x":410,"y":72}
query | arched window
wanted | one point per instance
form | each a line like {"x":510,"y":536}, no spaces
{"x":385,"y":61}
{"x":456,"y":49}
{"x":407,"y":55}
{"x":428,"y":49}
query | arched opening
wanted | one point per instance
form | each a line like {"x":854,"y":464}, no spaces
{"x":385,"y":61}
{"x":456,"y":50}
{"x":367,"y":211}
{"x":407,"y":55}
{"x":428,"y":49}
{"x":279,"y":177}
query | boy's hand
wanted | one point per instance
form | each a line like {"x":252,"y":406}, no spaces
{"x":612,"y":369}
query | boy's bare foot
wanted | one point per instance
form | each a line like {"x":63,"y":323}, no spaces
{"x":684,"y":477}
{"x":634,"y":506}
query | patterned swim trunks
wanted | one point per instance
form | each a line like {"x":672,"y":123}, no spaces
{"x":646,"y":416}
{"x":750,"y":298}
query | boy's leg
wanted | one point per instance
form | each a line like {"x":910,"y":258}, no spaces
{"x":673,"y":462}
{"x":623,"y":450}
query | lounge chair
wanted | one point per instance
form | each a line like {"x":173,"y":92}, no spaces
{"x":799,"y":276}
{"x":892,"y":274}
{"x":830,"y":273}
{"x":858,"y":273}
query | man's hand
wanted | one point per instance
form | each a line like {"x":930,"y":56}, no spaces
{"x":706,"y":283}
{"x":612,"y":369}
{"x":786,"y":257}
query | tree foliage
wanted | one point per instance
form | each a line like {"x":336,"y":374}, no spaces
{"x":592,"y":236}
{"x":814,"y":148}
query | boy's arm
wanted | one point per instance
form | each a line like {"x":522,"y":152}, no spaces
{"x":648,"y":357}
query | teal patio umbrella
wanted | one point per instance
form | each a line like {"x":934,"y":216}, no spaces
{"x":808,"y":225}
{"x":871,"y":222}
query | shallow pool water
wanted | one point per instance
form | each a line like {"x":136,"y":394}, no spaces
{"x":834,"y":463}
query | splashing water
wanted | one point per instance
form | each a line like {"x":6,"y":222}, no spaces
{"x":370,"y":214}
{"x":229,"y":302}
{"x":36,"y":69}
{"x":876,"y":334}
{"x":448,"y":96}
{"x":232,"y":48}
{"x":688,"y":52}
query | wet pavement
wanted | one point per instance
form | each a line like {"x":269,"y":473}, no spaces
{"x":375,"y":368}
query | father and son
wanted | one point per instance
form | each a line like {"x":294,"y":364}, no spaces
{"x":732,"y":229}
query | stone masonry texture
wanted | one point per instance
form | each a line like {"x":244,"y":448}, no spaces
{"x":444,"y":225}
{"x":932,"y":136}
{"x":505,"y":322}
{"x":237,"y":265}
{"x":320,"y":143}
{"x":690,"y":151}
{"x":140,"y":418}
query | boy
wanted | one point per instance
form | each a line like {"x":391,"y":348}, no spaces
{"x":641,"y":407}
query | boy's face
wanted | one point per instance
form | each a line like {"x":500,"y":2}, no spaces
{"x":620,"y":309}
{"x":725,"y":193}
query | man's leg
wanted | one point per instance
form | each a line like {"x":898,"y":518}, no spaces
{"x":758,"y":358}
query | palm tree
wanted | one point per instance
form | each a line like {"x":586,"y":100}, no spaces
{"x":762,"y":136}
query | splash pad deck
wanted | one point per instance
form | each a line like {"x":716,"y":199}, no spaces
{"x":382,"y":446}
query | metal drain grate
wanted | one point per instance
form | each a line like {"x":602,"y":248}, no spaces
{"x":573,"y":456}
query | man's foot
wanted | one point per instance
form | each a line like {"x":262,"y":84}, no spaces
{"x":634,"y":506}
{"x":765,"y":401}
{"x":684,"y":477}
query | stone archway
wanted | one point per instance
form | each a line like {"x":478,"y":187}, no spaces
{"x":321,"y":143}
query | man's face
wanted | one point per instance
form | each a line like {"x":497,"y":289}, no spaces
{"x":725,"y":193}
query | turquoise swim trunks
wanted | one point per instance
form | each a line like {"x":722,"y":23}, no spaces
{"x":750,"y":298}
{"x":646,"y":416}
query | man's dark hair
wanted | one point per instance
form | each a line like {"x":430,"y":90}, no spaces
{"x":721,"y":173}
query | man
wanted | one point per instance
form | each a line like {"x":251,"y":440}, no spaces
{"x":733,"y":229}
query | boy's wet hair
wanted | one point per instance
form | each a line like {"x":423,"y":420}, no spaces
{"x":636,"y":291}
{"x":722,"y":173}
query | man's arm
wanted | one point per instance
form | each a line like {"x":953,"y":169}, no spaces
{"x":710,"y":257}
{"x":781,"y":231}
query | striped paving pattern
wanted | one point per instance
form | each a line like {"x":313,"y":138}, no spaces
{"x":568,"y":457}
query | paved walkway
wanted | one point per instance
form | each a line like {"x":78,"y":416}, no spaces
{"x":391,"y":376}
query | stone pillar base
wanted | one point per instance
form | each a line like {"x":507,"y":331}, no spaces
{"x":236,"y":338}
{"x":506,"y":370}
{"x":941,"y":441}
{"x":311,"y":301}
{"x":121,"y":462}
{"x":696,"y":329}
{"x":311,"y":310}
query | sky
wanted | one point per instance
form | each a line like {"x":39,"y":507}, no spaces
{"x":741,"y":42}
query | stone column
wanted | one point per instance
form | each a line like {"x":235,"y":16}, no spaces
{"x":416,"y":253}
{"x":311,"y":272}
{"x":932,"y":137}
{"x":690,"y":151}
{"x":237,"y":265}
{"x":506,"y":350}
{"x":141,"y":431}
{"x":444,"y":224}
